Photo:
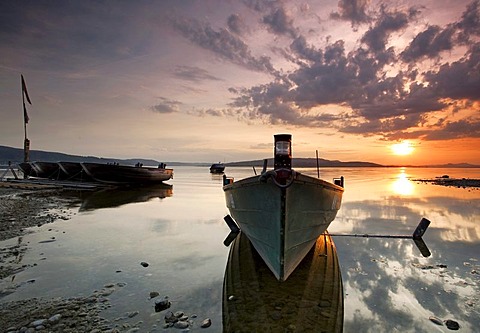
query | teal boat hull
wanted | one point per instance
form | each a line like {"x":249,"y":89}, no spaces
{"x":283,"y":223}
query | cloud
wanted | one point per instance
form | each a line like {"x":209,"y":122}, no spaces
{"x":470,"y":22}
{"x":388,"y":22}
{"x":352,"y":10}
{"x":280,"y":22}
{"x":223,"y":43}
{"x":194,"y":74}
{"x":236,"y":24}
{"x":429,"y":43}
{"x":166,"y":106}
{"x":380,"y":96}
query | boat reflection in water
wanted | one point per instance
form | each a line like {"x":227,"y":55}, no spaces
{"x":311,"y":300}
{"x":118,"y":196}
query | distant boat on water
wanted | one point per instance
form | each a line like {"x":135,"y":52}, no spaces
{"x":217,"y":167}
{"x":124,"y":174}
{"x":282,"y":211}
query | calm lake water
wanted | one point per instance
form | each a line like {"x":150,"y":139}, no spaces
{"x":179,"y":231}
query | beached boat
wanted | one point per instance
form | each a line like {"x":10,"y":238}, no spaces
{"x":124,"y":174}
{"x":311,"y":300}
{"x":282,"y":211}
{"x":47,"y":170}
{"x":73,"y":171}
{"x":217,"y":167}
{"x":27,"y":169}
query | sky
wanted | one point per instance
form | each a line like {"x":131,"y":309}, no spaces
{"x":393,"y":82}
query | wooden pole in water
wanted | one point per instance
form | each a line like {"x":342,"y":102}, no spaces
{"x":318,"y":169}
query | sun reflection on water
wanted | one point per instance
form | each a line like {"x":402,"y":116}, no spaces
{"x":402,"y":185}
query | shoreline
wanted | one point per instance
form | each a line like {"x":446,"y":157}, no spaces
{"x":452,"y":182}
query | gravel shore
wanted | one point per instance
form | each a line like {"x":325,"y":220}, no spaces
{"x":21,"y":209}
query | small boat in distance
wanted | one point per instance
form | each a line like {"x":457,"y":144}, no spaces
{"x":217,"y":167}
{"x":282,"y":212}
{"x":125,"y":174}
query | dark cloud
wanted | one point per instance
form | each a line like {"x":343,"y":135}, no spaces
{"x":236,"y":24}
{"x":223,"y":43}
{"x":470,"y":22}
{"x":354,"y":11}
{"x":71,"y":35}
{"x":376,"y":102}
{"x":466,"y":128}
{"x":166,"y":106}
{"x":460,"y":79}
{"x":377,"y":36}
{"x":193,"y":74}
{"x":429,"y":43}
{"x":280,"y":23}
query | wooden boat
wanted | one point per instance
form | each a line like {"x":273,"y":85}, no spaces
{"x":73,"y":171}
{"x":124,"y":174}
{"x":311,"y":300}
{"x":48,"y":170}
{"x":27,"y":169}
{"x":282,"y":211}
{"x":217,"y":167}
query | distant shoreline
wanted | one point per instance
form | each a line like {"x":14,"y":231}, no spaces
{"x":454,"y":182}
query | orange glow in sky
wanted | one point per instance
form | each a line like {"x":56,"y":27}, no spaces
{"x":402,"y":148}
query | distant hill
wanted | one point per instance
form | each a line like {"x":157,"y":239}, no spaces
{"x":308,"y":163}
{"x":15,"y":155}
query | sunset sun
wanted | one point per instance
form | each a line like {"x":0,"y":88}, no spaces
{"x":402,"y":148}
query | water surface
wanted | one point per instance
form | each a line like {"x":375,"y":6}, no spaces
{"x":179,"y":231}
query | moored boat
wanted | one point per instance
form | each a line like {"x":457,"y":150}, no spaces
{"x":27,"y":169}
{"x":311,"y":300}
{"x":282,"y":211}
{"x":217,"y":168}
{"x":48,"y":170}
{"x":73,"y":171}
{"x":124,"y":174}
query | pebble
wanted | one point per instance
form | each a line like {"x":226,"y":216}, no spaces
{"x":452,"y":325}
{"x":154,"y":294}
{"x":436,"y":320}
{"x":144,"y":264}
{"x":170,"y":317}
{"x":206,"y":323}
{"x":180,"y":324}
{"x":162,"y":304}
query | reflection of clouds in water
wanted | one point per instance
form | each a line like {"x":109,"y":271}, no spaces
{"x":455,"y":217}
{"x":161,"y":225}
{"x":386,"y":283}
{"x":388,"y":291}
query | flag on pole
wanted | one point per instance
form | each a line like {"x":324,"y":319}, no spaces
{"x":25,"y":93}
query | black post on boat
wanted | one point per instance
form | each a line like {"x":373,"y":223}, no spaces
{"x":283,"y":151}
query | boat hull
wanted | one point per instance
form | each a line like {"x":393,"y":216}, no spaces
{"x":47,"y":170}
{"x":122,"y":174}
{"x":73,"y":171}
{"x":311,"y":300}
{"x":283,"y":223}
{"x":217,"y":168}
